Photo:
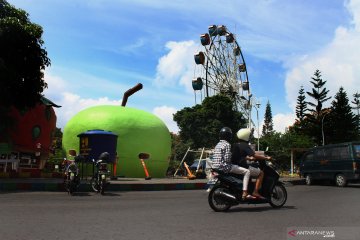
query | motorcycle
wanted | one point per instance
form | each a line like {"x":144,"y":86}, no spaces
{"x":227,"y":191}
{"x":99,"y":181}
{"x":72,"y":178}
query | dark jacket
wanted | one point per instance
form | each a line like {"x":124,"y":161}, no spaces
{"x":239,"y":152}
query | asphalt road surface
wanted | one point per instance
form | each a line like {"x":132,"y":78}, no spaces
{"x":171,"y":215}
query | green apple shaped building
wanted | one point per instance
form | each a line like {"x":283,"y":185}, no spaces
{"x":138,"y":132}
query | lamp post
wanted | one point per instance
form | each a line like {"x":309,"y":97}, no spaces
{"x":322,"y":127}
{"x":257,"y":106}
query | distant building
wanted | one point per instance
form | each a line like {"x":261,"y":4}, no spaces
{"x":27,"y":142}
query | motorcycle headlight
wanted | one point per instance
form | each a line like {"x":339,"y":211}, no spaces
{"x":103,"y":176}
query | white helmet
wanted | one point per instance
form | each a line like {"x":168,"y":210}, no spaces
{"x":244,"y":134}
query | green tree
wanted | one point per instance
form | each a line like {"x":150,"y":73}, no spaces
{"x":280,"y":145}
{"x":301,"y":106}
{"x":58,"y":153}
{"x":342,"y":121}
{"x":319,"y":94}
{"x":178,"y":150}
{"x":268,"y":122}
{"x":317,"y":113}
{"x":356,"y":102}
{"x":200,"y":125}
{"x":22,"y":59}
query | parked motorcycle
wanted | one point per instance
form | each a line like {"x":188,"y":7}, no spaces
{"x":72,"y":177}
{"x":227,"y":191}
{"x":99,"y":181}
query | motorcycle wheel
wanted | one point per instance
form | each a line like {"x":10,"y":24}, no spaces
{"x":278,"y":196}
{"x":94,"y":184}
{"x":103,"y":185}
{"x":216,"y":203}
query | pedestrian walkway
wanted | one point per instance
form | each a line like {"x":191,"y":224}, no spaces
{"x":121,"y":184}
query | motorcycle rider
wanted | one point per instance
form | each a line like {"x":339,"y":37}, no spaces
{"x":222,"y":160}
{"x":242,"y":153}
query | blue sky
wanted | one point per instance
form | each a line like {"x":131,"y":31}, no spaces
{"x":101,"y":48}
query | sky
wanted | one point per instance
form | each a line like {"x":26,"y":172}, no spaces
{"x":101,"y":48}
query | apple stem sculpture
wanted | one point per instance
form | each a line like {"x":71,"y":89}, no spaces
{"x":126,"y":95}
{"x":142,"y":157}
{"x":190,"y":175}
{"x":130,"y":92}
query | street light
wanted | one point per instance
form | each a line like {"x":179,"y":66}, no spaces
{"x":257,"y":106}
{"x":322,"y":127}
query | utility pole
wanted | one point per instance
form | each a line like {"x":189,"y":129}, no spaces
{"x":257,"y":107}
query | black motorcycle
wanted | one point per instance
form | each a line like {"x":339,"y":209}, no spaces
{"x":99,"y":181}
{"x":227,"y":190}
{"x":71,"y":177}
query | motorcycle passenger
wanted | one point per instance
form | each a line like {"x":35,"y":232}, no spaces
{"x":222,"y":160}
{"x":242,"y":153}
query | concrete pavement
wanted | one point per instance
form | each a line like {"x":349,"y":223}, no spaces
{"x":121,"y":184}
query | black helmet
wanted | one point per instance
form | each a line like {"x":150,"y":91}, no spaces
{"x":225,"y":134}
{"x":104,"y":156}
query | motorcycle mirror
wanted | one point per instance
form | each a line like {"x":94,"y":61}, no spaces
{"x":72,"y":152}
{"x":144,"y":156}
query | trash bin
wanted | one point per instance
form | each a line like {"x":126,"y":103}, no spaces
{"x":95,"y":142}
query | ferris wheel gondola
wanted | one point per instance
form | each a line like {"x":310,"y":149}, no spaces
{"x":221,"y":69}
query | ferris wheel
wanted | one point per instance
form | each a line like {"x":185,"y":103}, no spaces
{"x":221,"y":69}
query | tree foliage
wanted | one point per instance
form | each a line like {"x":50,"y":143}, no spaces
{"x":318,"y":93}
{"x":301,"y":106}
{"x":279,"y":146}
{"x":342,"y":121}
{"x":22,"y":58}
{"x":356,"y":102}
{"x":200,"y":125}
{"x":178,"y":149}
{"x":316,"y":113}
{"x":268,"y":126}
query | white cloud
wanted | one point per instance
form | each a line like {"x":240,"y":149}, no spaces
{"x":282,"y":121}
{"x":338,"y":61}
{"x":73,"y":103}
{"x":70,"y":103}
{"x":166,"y":113}
{"x":177,"y":67}
{"x":353,"y":7}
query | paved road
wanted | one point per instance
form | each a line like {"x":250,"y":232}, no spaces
{"x":172,"y":215}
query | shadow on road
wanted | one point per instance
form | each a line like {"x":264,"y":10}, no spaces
{"x":81,"y":194}
{"x":260,"y":209}
{"x":89,"y":194}
{"x":111,"y":194}
{"x":332,"y":184}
